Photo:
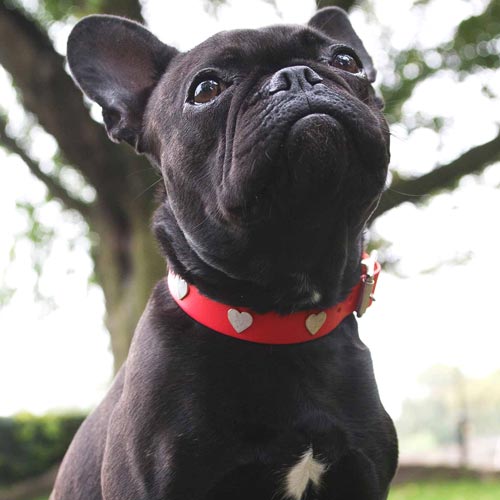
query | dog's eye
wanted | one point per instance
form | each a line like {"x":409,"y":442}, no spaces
{"x":207,"y":90}
{"x":345,"y":62}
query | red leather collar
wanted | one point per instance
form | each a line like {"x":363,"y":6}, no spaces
{"x":271,"y":328}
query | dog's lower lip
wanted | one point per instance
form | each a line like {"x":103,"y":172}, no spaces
{"x":314,"y":116}
{"x":316,"y":139}
{"x":312,"y":123}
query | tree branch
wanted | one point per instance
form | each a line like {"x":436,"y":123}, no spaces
{"x":344,"y":4}
{"x":53,"y":185}
{"x":49,"y":93}
{"x":441,"y":178}
{"x":128,"y":8}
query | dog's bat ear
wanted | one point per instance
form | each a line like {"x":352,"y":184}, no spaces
{"x":333,"y":22}
{"x":117,"y":63}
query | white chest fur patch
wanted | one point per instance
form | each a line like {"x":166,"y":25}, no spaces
{"x":297,"y":479}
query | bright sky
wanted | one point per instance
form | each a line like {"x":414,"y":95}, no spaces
{"x":58,"y":358}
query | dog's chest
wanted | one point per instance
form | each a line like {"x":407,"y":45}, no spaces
{"x":306,"y":473}
{"x":282,"y":477}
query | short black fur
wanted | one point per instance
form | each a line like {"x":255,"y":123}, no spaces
{"x":267,"y":190}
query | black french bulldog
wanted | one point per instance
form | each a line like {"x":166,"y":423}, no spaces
{"x":274,"y":152}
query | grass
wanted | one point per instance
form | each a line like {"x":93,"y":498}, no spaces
{"x":456,"y":490}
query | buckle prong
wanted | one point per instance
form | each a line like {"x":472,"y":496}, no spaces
{"x":368,"y":284}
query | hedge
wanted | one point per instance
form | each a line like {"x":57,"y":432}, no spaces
{"x":30,"y":445}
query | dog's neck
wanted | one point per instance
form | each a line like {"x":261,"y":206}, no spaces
{"x":322,"y":285}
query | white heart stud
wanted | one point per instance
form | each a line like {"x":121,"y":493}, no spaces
{"x":314,"y":322}
{"x":181,"y":288}
{"x":240,"y":321}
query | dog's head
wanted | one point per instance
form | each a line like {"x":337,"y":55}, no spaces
{"x":271,"y":144}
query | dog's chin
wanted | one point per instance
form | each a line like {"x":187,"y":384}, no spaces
{"x":317,"y":134}
{"x":318,"y":122}
{"x":316,"y":153}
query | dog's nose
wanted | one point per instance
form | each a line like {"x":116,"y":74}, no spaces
{"x":294,"y":78}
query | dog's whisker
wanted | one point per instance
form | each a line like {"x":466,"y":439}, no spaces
{"x":142,"y":170}
{"x":409,"y":195}
{"x":148,"y":188}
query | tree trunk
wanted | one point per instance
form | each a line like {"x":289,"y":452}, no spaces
{"x":127,"y":260}
{"x":127,"y":264}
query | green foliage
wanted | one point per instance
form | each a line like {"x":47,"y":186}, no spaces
{"x":456,"y":490}
{"x":37,"y":233}
{"x":41,"y":236}
{"x":484,"y":404}
{"x":410,"y":68}
{"x":447,"y":398}
{"x":474,"y":47}
{"x":434,"y":417}
{"x":6,"y":292}
{"x":59,"y":9}
{"x":47,"y":11}
{"x":55,"y":10}
{"x":477,"y":41}
{"x":29,"y":445}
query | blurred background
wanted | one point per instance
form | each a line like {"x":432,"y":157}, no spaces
{"x":77,"y":260}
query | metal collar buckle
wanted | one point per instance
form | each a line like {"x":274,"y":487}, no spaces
{"x":368,"y":281}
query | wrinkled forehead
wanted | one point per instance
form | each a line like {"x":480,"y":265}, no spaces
{"x":271,"y":45}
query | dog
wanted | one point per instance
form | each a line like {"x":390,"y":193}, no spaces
{"x":246,"y":378}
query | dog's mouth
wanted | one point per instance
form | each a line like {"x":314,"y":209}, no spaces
{"x":318,"y":131}
{"x":316,"y":153}
{"x":296,"y":151}
{"x":313,"y":123}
